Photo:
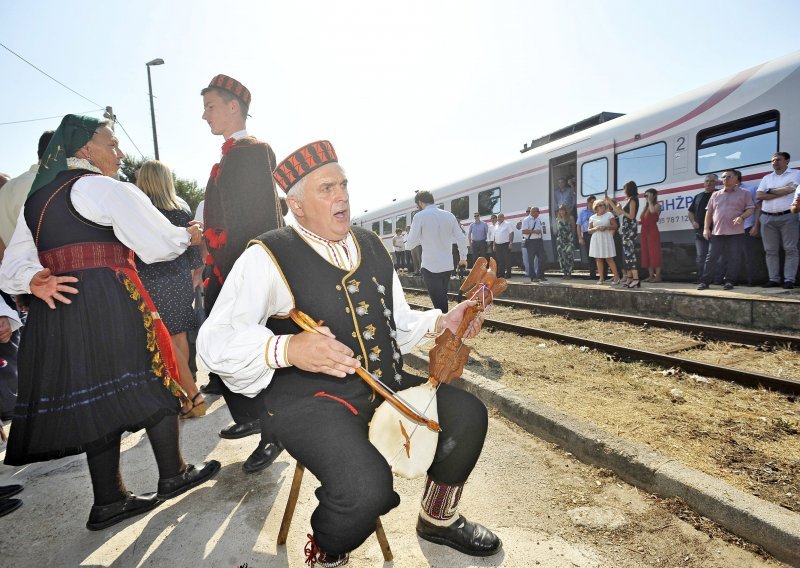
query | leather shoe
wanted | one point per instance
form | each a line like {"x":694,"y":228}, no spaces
{"x":236,"y":431}
{"x":772,"y":284}
{"x":9,"y":490}
{"x":9,"y":505}
{"x":103,"y":516}
{"x":262,"y":457}
{"x":463,"y":535}
{"x":191,"y":477}
{"x":211,"y":388}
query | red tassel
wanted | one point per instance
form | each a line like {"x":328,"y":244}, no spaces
{"x":229,"y":143}
{"x":223,"y":237}
{"x":209,"y":260}
{"x":206,"y":282}
{"x":215,"y":172}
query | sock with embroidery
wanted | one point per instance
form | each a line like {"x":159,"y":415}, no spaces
{"x":315,"y":556}
{"x":440,"y":502}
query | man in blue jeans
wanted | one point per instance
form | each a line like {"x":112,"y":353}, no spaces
{"x":436,"y":230}
{"x":697,"y":214}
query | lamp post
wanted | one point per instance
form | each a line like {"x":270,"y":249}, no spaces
{"x":152,"y":110}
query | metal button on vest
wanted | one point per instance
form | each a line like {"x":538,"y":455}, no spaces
{"x":354,"y":334}
{"x":338,"y":287}
{"x":347,"y":310}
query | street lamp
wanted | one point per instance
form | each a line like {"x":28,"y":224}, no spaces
{"x":152,"y":110}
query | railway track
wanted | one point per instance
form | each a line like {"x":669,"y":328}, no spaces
{"x":739,"y":376}
{"x":720,"y":333}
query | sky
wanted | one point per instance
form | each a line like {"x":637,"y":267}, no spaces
{"x":413,"y":94}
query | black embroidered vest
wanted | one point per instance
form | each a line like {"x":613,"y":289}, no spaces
{"x":61,"y":224}
{"x":356,"y":305}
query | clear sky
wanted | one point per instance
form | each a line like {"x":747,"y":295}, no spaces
{"x":412,"y":94}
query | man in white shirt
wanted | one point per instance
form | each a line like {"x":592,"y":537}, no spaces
{"x":532,"y":241}
{"x":320,"y":411}
{"x":436,"y":230}
{"x":778,"y":224}
{"x":503,"y":237}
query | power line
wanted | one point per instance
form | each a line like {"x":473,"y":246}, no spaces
{"x":129,"y":137}
{"x":47,"y":117}
{"x":69,"y":89}
{"x":47,"y":75}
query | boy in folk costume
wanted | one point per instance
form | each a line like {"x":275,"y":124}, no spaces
{"x":240,"y":204}
{"x":320,"y":411}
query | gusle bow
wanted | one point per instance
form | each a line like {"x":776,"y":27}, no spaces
{"x":309,"y":324}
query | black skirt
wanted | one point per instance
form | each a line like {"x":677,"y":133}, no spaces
{"x":85,"y":373}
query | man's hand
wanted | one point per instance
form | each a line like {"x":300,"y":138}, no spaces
{"x":321,"y":353}
{"x":195,"y":230}
{"x":5,"y":329}
{"x":707,"y":234}
{"x":48,"y":288}
{"x":452,"y":319}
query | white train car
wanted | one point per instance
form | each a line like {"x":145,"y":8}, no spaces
{"x":738,"y":122}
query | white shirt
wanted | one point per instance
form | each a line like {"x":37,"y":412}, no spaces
{"x":531,"y":224}
{"x":436,"y":230}
{"x":773,"y":180}
{"x":11,"y":314}
{"x":12,"y":197}
{"x":502,"y":232}
{"x":399,"y":243}
{"x":234,"y":341}
{"x":108,"y":202}
{"x":490,"y":232}
{"x":198,"y":215}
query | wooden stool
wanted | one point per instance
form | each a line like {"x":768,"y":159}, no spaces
{"x":294,"y":492}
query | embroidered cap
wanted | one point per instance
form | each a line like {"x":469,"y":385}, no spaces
{"x":302,"y":162}
{"x":231,"y":85}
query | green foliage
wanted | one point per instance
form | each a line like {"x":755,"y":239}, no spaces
{"x":187,"y":189}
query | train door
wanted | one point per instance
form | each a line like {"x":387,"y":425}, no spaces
{"x":595,"y":179}
{"x":563,"y":190}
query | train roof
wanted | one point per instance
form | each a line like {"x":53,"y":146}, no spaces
{"x":650,"y":121}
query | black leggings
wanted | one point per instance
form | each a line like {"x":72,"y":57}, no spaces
{"x":357,"y":483}
{"x":103,"y":461}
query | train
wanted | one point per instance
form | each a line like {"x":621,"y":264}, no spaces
{"x":734,"y":123}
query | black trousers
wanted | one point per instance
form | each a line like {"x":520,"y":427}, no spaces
{"x":535,"y":251}
{"x":331,"y":440}
{"x":479,"y":248}
{"x":728,"y":246}
{"x":502,"y":255}
{"x":437,"y":284}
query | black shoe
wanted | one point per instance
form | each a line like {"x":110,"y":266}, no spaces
{"x":103,"y":516}
{"x":772,"y":284}
{"x":262,"y":457}
{"x":236,"y":431}
{"x":534,"y":280}
{"x":788,"y":285}
{"x":191,"y":477}
{"x":728,"y":286}
{"x":702,"y":286}
{"x":463,"y":535}
{"x":9,"y":490}
{"x":211,"y":388}
{"x":9,"y":505}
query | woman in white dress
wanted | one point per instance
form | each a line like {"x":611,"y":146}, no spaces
{"x":602,"y":226}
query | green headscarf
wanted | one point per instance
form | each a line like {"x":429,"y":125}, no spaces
{"x":71,"y":135}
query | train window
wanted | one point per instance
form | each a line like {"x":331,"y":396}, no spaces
{"x":646,"y":165}
{"x":460,"y":208}
{"x":400,"y":222}
{"x":738,"y":144}
{"x":489,"y":201}
{"x":376,"y":228}
{"x":387,"y":227}
{"x":594,"y":177}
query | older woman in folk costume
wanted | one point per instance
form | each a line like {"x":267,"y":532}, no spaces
{"x":320,"y":410}
{"x":100,"y":363}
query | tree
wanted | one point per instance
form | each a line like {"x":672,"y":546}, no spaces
{"x":186,"y":189}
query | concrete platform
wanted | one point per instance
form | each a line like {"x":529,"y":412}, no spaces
{"x":765,"y":309}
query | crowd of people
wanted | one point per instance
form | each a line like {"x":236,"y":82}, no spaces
{"x":102,"y":283}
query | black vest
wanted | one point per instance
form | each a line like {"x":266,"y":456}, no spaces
{"x":61,"y":224}
{"x":356,"y":306}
